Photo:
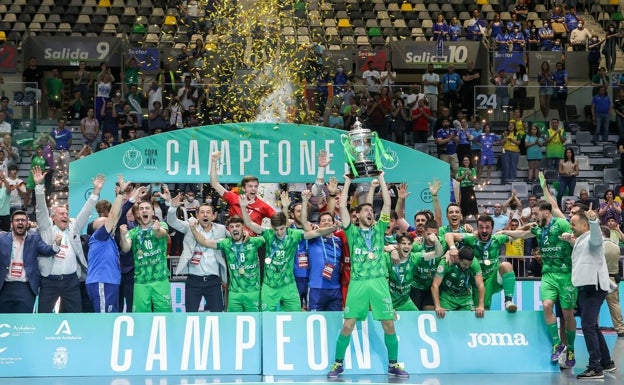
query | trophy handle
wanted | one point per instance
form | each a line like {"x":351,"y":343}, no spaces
{"x":343,"y":139}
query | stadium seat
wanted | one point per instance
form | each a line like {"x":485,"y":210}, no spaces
{"x":110,"y":27}
{"x":580,"y":186}
{"x":600,"y":189}
{"x":583,"y":138}
{"x":104,"y":3}
{"x":34,"y":27}
{"x":49,"y":27}
{"x":583,"y":162}
{"x":406,"y":7}
{"x":522,"y":189}
{"x":610,"y":151}
{"x":10,"y":18}
{"x":83,"y":19}
{"x":54,"y":18}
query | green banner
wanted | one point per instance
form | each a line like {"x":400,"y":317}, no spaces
{"x":275,"y":153}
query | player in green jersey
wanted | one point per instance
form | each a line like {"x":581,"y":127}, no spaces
{"x":454,"y":218}
{"x":278,"y":286}
{"x":425,"y":270}
{"x":497,"y":275}
{"x":452,"y":287}
{"x":556,"y":276}
{"x":242,"y":264}
{"x":368,"y":287}
{"x":148,"y":242}
{"x":402,"y":264}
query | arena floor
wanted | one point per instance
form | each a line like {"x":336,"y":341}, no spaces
{"x":566,"y":377}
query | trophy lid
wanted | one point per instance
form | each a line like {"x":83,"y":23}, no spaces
{"x":358,"y":126}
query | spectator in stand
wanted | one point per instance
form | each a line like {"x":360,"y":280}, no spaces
{"x":32,"y":76}
{"x":85,"y":151}
{"x":470,"y":79}
{"x":557,"y":20}
{"x":488,"y":140}
{"x":109,"y":120}
{"x":554,"y":144}
{"x":521,"y":10}
{"x":496,"y":26}
{"x":376,"y":116}
{"x":188,"y":94}
{"x":579,"y":37}
{"x":340,"y":79}
{"x":571,"y":19}
{"x":476,"y":27}
{"x":400,"y":120}
{"x":131,"y":73}
{"x":17,"y":189}
{"x":593,"y":56}
{"x":11,"y":153}
{"x":601,"y":109}
{"x":560,"y":78}
{"x":547,"y":36}
{"x":104,"y":88}
{"x":90,"y":129}
{"x":334,"y":119}
{"x":82,"y":81}
{"x":157,"y":118}
{"x":546,"y":82}
{"x":610,"y":208}
{"x":611,"y":42}
{"x":63,"y":137}
{"x":388,"y":76}
{"x":519,"y":83}
{"x":446,"y":140}
{"x":54,"y":92}
{"x":126,"y":121}
{"x":568,"y":171}
{"x":190,"y":117}
{"x":465,"y":137}
{"x":420,"y":123}
{"x":586,"y":200}
{"x":467,"y":177}
{"x":322,"y":89}
{"x":455,"y":29}
{"x":5,"y":127}
{"x":77,"y":107}
{"x":371,"y":79}
{"x":475,"y":146}
{"x":8,"y":111}
{"x":534,"y":143}
{"x":135,"y":99}
{"x":431,"y":84}
{"x":511,"y":153}
{"x":440,"y":28}
{"x":451,"y":86}
{"x":600,"y":79}
{"x":532,"y":34}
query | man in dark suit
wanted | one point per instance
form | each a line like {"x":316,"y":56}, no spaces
{"x":19,"y":270}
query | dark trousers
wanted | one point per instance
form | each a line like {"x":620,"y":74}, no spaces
{"x":451,"y":100}
{"x":126,"y":291}
{"x":302,"y":288}
{"x":590,"y":301}
{"x":16,"y":297}
{"x":66,"y":287}
{"x":208,"y":287}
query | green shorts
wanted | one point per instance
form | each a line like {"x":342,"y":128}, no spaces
{"x":369,"y":294}
{"x":244,"y":302}
{"x":559,"y":286}
{"x":156,"y":294}
{"x":287,"y":298}
{"x":456,"y":302}
{"x":492,"y":286}
{"x":404,"y":304}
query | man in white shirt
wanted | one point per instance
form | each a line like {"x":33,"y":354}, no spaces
{"x":431,"y":83}
{"x":579,"y":37}
{"x":17,"y":188}
{"x":5,"y":127}
{"x":371,"y":79}
{"x":188,"y":95}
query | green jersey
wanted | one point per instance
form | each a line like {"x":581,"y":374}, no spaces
{"x":55,"y":88}
{"x":400,"y":277}
{"x":366,"y":247}
{"x":150,"y":255}
{"x":456,"y":281}
{"x":470,"y":174}
{"x":424,"y":271}
{"x":556,"y":254}
{"x":486,"y":252}
{"x":420,"y":245}
{"x":447,"y":229}
{"x":280,"y":257}
{"x":242,"y":263}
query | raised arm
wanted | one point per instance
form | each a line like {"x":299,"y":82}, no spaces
{"x":323,"y":162}
{"x":256,"y":228}
{"x":385,"y":195}
{"x":214,"y":178}
{"x":320,"y":232}
{"x":556,"y":211}
{"x":332,"y":187}
{"x":210,"y":243}
{"x":437,"y":251}
{"x":344,"y":206}
{"x":125,"y":241}
{"x":434,"y":187}
{"x":370,"y":196}
{"x":115,"y":211}
{"x":305,"y":199}
{"x":402,"y":195}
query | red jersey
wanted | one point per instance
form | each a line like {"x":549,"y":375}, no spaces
{"x":258,"y":209}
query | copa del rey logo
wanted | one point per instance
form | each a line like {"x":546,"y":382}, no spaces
{"x":496,"y":339}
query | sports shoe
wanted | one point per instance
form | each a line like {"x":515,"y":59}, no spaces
{"x":336,"y":370}
{"x":557,"y":350}
{"x":590,"y":374}
{"x":567,"y":360}
{"x":397,"y":371}
{"x":610,"y":367}
{"x":510,"y":307}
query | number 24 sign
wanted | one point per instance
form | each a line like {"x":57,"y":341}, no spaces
{"x":485,"y":102}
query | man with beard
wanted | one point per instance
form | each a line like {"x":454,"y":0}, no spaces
{"x":207,"y":276}
{"x":257,"y":208}
{"x":299,"y":215}
{"x":278,"y":286}
{"x":242,"y":264}
{"x":61,"y":274}
{"x":454,"y":218}
{"x":19,"y":271}
{"x":403,"y":263}
{"x":148,"y":242}
{"x":496,"y":275}
{"x":452,"y":288}
{"x":556,"y":278}
{"x":368,"y":287}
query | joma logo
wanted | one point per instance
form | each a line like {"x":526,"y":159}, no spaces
{"x":496,"y":339}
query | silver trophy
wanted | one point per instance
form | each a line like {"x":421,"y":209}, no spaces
{"x":359,"y":146}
